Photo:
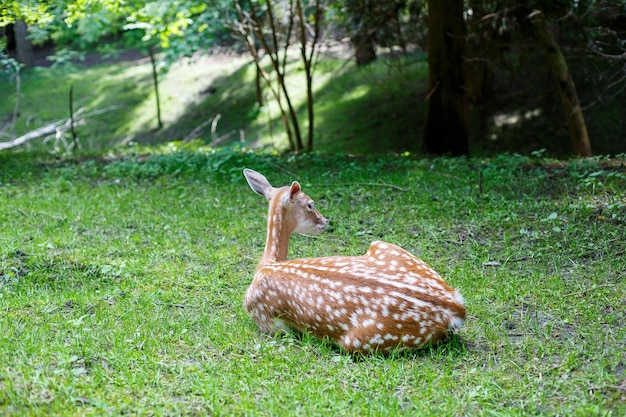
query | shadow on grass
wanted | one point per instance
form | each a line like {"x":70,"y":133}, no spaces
{"x":381,"y":108}
{"x":232,"y":97}
{"x":451,"y":346}
{"x":387,"y":114}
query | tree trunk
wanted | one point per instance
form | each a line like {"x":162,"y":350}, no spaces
{"x":23,"y":47}
{"x":307,"y":59}
{"x":259,"y":87}
{"x":565,"y":84}
{"x":248,"y":33}
{"x":155,"y":83}
{"x":446,"y":123}
{"x":71,"y":119}
{"x":364,"y":49}
{"x":360,"y":13}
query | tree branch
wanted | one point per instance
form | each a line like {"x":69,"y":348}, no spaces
{"x":613,"y":57}
{"x":54,"y":127}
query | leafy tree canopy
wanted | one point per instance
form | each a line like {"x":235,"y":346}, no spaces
{"x":179,"y":27}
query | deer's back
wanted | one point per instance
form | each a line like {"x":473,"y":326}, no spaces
{"x":380,"y":300}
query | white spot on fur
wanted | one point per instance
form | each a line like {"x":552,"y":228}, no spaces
{"x":458,"y":298}
{"x":456,"y":323}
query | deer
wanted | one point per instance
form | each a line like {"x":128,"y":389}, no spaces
{"x":383,"y":301}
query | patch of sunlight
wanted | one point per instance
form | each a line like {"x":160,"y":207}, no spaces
{"x":356,"y":93}
{"x":188,"y":82}
{"x":514,"y":118}
{"x":128,"y":80}
{"x":184,"y":86}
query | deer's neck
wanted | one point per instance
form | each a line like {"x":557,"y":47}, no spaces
{"x":279,"y":230}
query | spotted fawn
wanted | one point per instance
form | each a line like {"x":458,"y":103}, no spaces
{"x":383,"y":300}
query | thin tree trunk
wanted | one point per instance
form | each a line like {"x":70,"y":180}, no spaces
{"x":307,"y":59}
{"x":72,"y":124}
{"x":565,"y":84}
{"x":18,"y":100}
{"x":23,"y":47}
{"x":280,"y":74}
{"x":364,"y":48}
{"x":292,"y":111}
{"x":248,"y":29}
{"x":446,"y":123}
{"x":259,"y":88}
{"x":155,"y":81}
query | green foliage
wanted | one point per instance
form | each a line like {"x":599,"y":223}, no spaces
{"x":179,"y":28}
{"x":9,"y":67}
{"x":385,"y":23}
{"x":30,"y":11}
{"x":358,"y":110}
{"x":85,"y":22}
{"x":75,"y":26}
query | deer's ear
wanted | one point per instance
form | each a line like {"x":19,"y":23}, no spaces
{"x":258,"y":183}
{"x":295,"y":189}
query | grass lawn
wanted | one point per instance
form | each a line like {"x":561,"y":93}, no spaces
{"x":122,"y":281}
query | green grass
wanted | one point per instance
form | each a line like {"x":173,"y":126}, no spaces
{"x":358,"y":110}
{"x":124,"y":88}
{"x":122,"y":280}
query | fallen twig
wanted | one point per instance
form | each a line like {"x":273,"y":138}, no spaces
{"x":521,"y":258}
{"x":54,"y":127}
{"x":176,"y":305}
{"x":222,"y":138}
{"x":33,"y":134}
{"x":194,"y":133}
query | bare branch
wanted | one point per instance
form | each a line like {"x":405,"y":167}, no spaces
{"x":54,"y":128}
{"x":247,"y":33}
{"x":196,"y":130}
{"x":613,"y":57}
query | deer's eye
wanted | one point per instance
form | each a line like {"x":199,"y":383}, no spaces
{"x":310,"y":206}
